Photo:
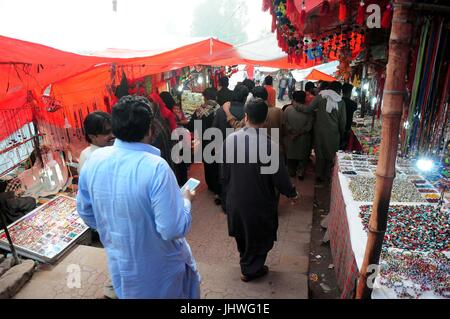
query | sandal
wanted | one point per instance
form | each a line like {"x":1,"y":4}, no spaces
{"x":260,"y":273}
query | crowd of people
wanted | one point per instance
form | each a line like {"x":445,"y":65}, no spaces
{"x":129,"y":188}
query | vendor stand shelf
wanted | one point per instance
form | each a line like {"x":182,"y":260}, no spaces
{"x":366,"y":137}
{"x":348,"y":237}
{"x":47,"y":232}
{"x":190,"y":101}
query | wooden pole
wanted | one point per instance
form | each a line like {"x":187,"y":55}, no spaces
{"x":396,"y":70}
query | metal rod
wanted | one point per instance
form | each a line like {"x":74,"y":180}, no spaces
{"x":13,"y":167}
{"x":11,"y":245}
{"x":9,"y":148}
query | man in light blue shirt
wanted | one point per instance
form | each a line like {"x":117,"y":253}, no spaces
{"x":130,"y":195}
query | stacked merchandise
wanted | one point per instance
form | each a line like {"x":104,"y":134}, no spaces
{"x":415,"y":261}
{"x":190,"y":101}
{"x":368,"y":136}
{"x":415,"y":258}
{"x":409,"y":185}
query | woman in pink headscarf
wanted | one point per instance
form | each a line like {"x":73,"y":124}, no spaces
{"x":180,"y":169}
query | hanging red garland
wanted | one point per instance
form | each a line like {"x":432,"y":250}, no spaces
{"x":303,"y":15}
{"x":266,"y":5}
{"x":293,"y":14}
{"x":387,"y":17}
{"x":325,"y":7}
{"x":342,"y":10}
{"x":360,"y":15}
{"x":290,"y":7}
{"x":274,"y":23}
{"x":297,"y":57}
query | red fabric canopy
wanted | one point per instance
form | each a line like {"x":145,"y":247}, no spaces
{"x":317,"y":75}
{"x":26,"y":65}
{"x":81,"y":84}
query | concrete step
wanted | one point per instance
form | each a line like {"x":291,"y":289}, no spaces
{"x":81,"y":274}
{"x":13,"y":280}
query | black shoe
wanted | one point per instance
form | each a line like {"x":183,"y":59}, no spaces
{"x":260,"y":273}
{"x":217,"y":199}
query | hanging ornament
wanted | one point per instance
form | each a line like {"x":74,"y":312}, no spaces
{"x":314,"y":24}
{"x":51,"y":104}
{"x":267,"y":4}
{"x":342,"y":11}
{"x":387,"y":17}
{"x":360,"y":15}
{"x":107,"y":103}
{"x":310,"y":54}
{"x":319,"y":53}
{"x":282,"y":9}
{"x":290,"y":7}
{"x":325,"y":7}
{"x":292,"y":14}
{"x":289,"y":58}
{"x":303,"y":14}
{"x":274,"y":23}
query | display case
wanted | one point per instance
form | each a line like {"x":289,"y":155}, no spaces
{"x":47,"y":232}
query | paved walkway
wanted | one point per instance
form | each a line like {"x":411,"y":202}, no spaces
{"x":218,"y":259}
{"x":60,"y":281}
{"x":214,"y":250}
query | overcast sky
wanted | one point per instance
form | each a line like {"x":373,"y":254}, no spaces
{"x":92,"y":25}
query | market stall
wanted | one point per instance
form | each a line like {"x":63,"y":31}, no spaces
{"x":47,"y":232}
{"x":365,"y":135}
{"x":47,"y":93}
{"x":416,"y":249}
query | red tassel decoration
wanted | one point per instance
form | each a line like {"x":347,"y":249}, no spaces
{"x":274,"y":23}
{"x":360,"y":15}
{"x":325,"y":7}
{"x":387,"y":17}
{"x":342,"y":11}
{"x":107,"y":103}
{"x":303,"y":15}
{"x":266,"y":5}
{"x":292,"y":13}
{"x":290,"y":7}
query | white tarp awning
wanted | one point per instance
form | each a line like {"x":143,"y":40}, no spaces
{"x":264,"y":49}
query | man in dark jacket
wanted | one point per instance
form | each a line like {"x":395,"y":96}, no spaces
{"x":224,"y":94}
{"x":251,"y":191}
{"x":12,"y":206}
{"x":237,"y":103}
{"x":329,"y":127}
{"x":240,"y":94}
